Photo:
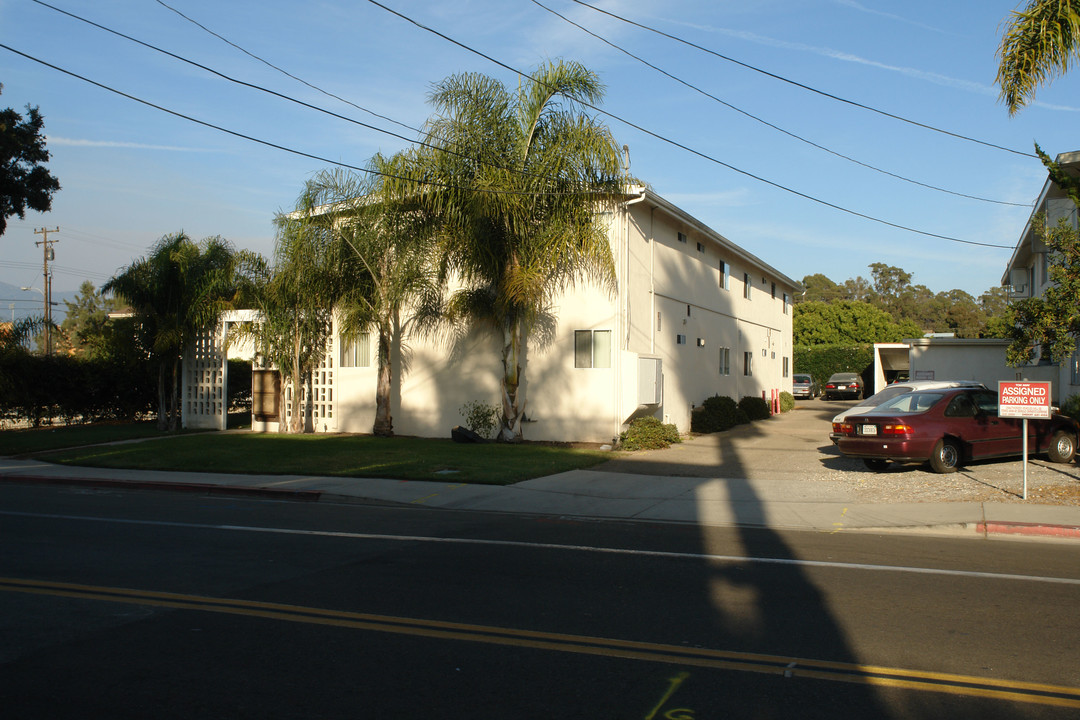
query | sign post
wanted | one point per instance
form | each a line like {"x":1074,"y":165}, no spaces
{"x":1024,"y":399}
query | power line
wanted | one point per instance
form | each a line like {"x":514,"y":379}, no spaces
{"x":285,"y":72}
{"x":766,"y":122}
{"x":288,"y":98}
{"x":286,"y":149}
{"x":516,"y":71}
{"x":690,"y":150}
{"x":803,"y":86}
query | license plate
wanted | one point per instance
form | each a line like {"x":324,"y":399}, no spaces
{"x":869,"y":430}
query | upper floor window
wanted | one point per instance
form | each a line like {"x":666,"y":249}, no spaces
{"x":747,"y":285}
{"x":724,"y":268}
{"x":682,"y":237}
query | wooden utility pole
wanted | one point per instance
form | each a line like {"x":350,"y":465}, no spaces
{"x":48,"y":254}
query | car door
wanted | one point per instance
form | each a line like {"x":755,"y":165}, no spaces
{"x":1003,"y":436}
{"x":976,"y":429}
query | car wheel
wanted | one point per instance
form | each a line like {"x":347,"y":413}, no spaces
{"x":1062,"y":447}
{"x":946,"y":456}
{"x":876,"y":464}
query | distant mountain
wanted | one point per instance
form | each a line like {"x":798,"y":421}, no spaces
{"x":20,"y":304}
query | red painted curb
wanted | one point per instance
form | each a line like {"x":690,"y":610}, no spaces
{"x":1020,"y":528}
{"x":205,"y":488}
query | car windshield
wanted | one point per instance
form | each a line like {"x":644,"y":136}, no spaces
{"x":909,"y":403}
{"x":887,"y":394}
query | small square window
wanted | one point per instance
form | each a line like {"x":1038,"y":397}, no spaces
{"x":592,"y":348}
{"x":701,"y":247}
{"x":680,"y":339}
{"x":682,"y":237}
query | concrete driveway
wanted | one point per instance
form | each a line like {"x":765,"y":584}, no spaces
{"x":790,"y":455}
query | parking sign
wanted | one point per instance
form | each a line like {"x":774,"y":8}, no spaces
{"x":1024,"y":399}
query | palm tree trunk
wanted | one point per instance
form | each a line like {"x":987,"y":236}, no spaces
{"x":512,"y":402}
{"x":163,"y":408}
{"x":174,"y":397}
{"x":384,"y":424}
{"x":296,"y":419}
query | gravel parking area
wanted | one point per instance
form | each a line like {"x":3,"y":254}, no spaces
{"x":795,"y":446}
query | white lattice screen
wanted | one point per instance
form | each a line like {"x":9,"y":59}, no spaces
{"x":322,"y":396}
{"x":205,"y":382}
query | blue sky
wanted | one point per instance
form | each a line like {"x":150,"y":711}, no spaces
{"x":131,"y":173}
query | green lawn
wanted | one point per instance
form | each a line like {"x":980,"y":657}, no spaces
{"x":338,"y":455}
{"x":21,"y":442}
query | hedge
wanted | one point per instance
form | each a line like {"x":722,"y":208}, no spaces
{"x":822,"y":361}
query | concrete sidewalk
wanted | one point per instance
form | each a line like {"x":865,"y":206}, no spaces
{"x":752,"y":502}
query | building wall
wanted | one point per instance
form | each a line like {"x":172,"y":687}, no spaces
{"x":688,"y":304}
{"x":670,"y":304}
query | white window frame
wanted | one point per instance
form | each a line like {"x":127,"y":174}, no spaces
{"x":592,"y":349}
{"x":748,"y":364}
{"x":725,"y":361}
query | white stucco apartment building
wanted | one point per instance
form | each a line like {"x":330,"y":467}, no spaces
{"x":693,"y":315}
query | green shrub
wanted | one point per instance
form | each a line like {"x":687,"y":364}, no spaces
{"x":648,"y":433}
{"x":755,"y":408}
{"x":482,"y":419}
{"x":1071,"y":407}
{"x":787,"y":402}
{"x":717,"y":414}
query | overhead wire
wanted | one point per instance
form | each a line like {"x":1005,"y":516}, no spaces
{"x":285,"y":72}
{"x":766,"y":122}
{"x":288,"y":98}
{"x":490,"y":59}
{"x":803,"y":86}
{"x":686,"y":148}
{"x":283,"y":148}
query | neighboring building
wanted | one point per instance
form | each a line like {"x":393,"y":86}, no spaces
{"x":949,"y":358}
{"x":693,"y":315}
{"x":1027,"y":275}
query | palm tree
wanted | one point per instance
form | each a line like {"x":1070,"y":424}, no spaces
{"x":390,"y":284}
{"x":517,"y":181}
{"x":295,"y":298}
{"x":1037,"y":45}
{"x":178,"y":290}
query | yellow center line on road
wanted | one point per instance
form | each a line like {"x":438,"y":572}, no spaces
{"x":965,"y":685}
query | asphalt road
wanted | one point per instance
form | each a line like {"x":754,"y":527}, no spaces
{"x":137,"y":605}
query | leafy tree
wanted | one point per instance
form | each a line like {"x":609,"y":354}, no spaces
{"x":24,"y":181}
{"x":1050,"y":325}
{"x":86,"y":329}
{"x":844,"y":322}
{"x":819,"y":288}
{"x":176,"y":291}
{"x":517,"y":184}
{"x":1037,"y":45}
{"x":390,"y":282}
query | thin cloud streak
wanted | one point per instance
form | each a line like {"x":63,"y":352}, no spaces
{"x":73,"y":142}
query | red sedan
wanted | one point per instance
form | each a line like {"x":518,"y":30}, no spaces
{"x":949,"y":427}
